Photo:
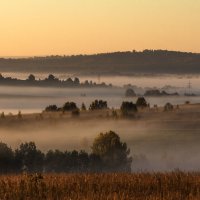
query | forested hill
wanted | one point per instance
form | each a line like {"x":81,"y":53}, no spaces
{"x":117,"y":63}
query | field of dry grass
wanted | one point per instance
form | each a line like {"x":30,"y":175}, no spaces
{"x":142,"y":186}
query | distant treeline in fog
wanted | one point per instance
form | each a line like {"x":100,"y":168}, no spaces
{"x":117,"y":63}
{"x":51,"y":81}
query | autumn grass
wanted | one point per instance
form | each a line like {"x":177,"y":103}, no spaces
{"x":142,"y":186}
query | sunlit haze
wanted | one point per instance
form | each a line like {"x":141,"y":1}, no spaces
{"x":47,"y":27}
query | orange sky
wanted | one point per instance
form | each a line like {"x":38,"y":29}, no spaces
{"x":46,"y":27}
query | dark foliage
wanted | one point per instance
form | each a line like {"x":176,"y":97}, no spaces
{"x":50,"y":81}
{"x":128,"y":109}
{"x":109,"y":154}
{"x":168,"y":107}
{"x":130,"y":93}
{"x":51,"y":108}
{"x":31,"y":78}
{"x":69,"y":106}
{"x":6,"y":158}
{"x":114,"y":153}
{"x":141,"y":102}
{"x":83,"y":107}
{"x":98,"y":105}
{"x":159,"y":93}
{"x":29,"y":158}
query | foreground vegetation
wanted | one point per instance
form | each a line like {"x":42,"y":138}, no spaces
{"x":144,"y":186}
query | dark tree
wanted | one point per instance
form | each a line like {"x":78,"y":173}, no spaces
{"x":31,"y":77}
{"x":51,"y":77}
{"x":69,"y":106}
{"x":2,"y":115}
{"x":114,"y":153}
{"x":168,"y":107}
{"x":86,"y":83}
{"x":29,"y":158}
{"x":74,"y":161}
{"x":83,"y":161}
{"x":130,"y":93}
{"x":95,"y":163}
{"x":128,"y":109}
{"x":51,"y":108}
{"x":98,"y":105}
{"x":52,"y":159}
{"x":19,"y":115}
{"x":114,"y":114}
{"x":83,"y":107}
{"x":6,"y":158}
{"x":1,"y":77}
{"x":141,"y":102}
{"x":69,"y":82}
{"x":76,"y":81}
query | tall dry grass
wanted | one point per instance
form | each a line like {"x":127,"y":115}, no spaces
{"x":142,"y":186}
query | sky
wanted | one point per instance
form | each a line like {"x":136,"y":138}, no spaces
{"x":66,"y":27}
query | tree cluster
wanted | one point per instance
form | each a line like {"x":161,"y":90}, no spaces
{"x":68,"y":106}
{"x":72,"y":107}
{"x":108,"y":154}
{"x":128,"y":109}
{"x":98,"y":105}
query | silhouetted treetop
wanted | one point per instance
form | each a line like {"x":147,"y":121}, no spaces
{"x":130,"y":93}
{"x":128,"y":107}
{"x":51,"y":80}
{"x":69,"y":106}
{"x":141,"y":102}
{"x":98,"y":105}
{"x":114,"y":153}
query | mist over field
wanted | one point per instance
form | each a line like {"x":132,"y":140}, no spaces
{"x":100,"y":100}
{"x":163,"y":142}
{"x":35,"y":99}
{"x":160,"y":143}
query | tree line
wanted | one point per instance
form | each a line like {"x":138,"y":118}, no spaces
{"x":126,"y":108}
{"x":116,"y":63}
{"x":51,"y":80}
{"x":108,"y":154}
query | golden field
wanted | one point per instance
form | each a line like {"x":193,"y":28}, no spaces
{"x":141,"y":186}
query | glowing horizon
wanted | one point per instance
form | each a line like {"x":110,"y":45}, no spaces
{"x":66,"y":27}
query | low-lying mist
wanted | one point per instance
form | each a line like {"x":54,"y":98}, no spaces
{"x":34,"y":100}
{"x":155,"y":145}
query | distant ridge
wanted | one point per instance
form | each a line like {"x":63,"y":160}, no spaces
{"x":116,"y":63}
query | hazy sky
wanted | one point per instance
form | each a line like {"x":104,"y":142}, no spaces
{"x":43,"y":27}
